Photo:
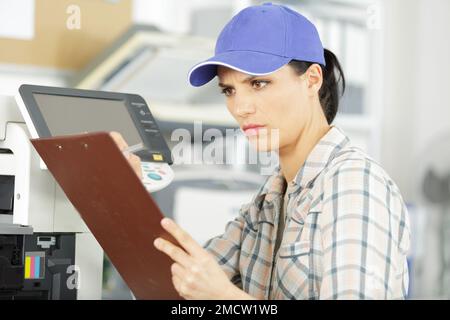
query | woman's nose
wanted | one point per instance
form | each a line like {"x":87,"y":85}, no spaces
{"x":244,"y":106}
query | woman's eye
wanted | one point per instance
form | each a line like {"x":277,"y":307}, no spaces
{"x":227,"y":91}
{"x":259,"y":84}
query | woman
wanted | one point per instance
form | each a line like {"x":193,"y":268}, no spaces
{"x":329,"y":223}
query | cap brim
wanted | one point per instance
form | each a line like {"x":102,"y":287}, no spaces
{"x":249,"y":62}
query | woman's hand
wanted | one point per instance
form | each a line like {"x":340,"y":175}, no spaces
{"x":133,"y":160}
{"x":195,"y":273}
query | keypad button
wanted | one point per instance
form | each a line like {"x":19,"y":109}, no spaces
{"x":154,"y":176}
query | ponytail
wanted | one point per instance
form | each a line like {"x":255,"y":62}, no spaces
{"x":333,"y":85}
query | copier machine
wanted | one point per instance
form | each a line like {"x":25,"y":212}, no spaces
{"x":46,"y":250}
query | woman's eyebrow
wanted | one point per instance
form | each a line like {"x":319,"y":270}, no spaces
{"x":222,"y":85}
{"x":247,"y":79}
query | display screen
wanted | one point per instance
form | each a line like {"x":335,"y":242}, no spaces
{"x":72,"y":115}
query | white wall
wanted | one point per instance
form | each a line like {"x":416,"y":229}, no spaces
{"x":12,"y":76}
{"x":433,"y":71}
{"x":416,"y":83}
{"x":175,"y":15}
{"x":416,"y":111}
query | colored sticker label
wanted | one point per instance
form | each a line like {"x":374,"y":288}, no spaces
{"x":34,"y":265}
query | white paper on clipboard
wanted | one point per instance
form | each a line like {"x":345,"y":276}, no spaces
{"x":17,"y":19}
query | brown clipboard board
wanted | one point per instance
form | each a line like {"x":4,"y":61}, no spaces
{"x":115,"y":206}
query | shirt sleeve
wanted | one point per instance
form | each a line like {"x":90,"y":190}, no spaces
{"x":226,"y":247}
{"x":365,"y":235}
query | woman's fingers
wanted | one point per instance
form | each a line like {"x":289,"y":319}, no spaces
{"x":184,"y":281}
{"x":178,"y":270}
{"x":174,"y":252}
{"x":195,"y":274}
{"x":118,"y":139}
{"x":180,"y":286}
{"x":135,"y":163}
{"x":183,"y":238}
{"x":176,"y":282}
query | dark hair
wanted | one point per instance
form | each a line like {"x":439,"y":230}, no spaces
{"x":332,"y":87}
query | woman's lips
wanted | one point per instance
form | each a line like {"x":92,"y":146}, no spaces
{"x":252,"y":130}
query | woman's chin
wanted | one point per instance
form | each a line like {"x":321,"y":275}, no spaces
{"x":261,"y":144}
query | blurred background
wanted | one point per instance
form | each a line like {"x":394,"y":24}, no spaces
{"x":397,"y":105}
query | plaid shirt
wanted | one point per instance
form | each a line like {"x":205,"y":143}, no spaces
{"x":346,"y":236}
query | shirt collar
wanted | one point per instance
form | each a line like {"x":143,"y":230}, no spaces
{"x":319,"y":157}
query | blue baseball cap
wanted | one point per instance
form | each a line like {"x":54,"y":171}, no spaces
{"x":259,"y":40}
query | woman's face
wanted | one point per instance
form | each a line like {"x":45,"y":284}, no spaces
{"x":271,"y":110}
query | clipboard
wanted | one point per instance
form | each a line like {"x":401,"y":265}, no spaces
{"x":115,"y":206}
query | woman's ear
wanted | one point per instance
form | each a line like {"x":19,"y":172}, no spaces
{"x":314,"y":78}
